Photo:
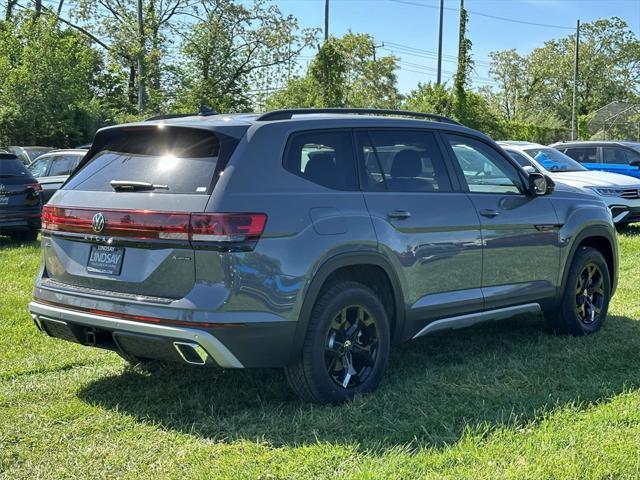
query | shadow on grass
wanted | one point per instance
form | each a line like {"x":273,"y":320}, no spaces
{"x":507,"y":373}
{"x":14,"y":242}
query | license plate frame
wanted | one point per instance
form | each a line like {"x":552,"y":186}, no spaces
{"x":101,"y":260}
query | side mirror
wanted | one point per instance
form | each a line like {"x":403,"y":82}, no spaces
{"x":540,"y":184}
{"x":635,"y":163}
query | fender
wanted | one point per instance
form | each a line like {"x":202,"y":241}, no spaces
{"x":332,"y":264}
{"x":588,"y":232}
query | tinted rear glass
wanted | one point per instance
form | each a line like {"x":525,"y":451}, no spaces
{"x":182,"y":159}
{"x":13,"y":168}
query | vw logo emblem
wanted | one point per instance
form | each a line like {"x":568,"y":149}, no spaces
{"x":97,"y":223}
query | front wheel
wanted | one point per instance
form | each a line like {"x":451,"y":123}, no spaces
{"x":346,"y":348}
{"x":586,"y":296}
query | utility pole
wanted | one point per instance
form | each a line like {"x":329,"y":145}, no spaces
{"x":140,"y":54}
{"x":326,"y":20}
{"x":575,"y":82}
{"x":439,"y":77}
{"x":375,"y":48}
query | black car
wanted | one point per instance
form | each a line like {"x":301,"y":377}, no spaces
{"x":20,"y":202}
{"x":52,"y":169}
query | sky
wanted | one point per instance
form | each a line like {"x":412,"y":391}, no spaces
{"x":409,"y":28}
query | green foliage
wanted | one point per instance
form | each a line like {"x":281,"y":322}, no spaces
{"x":46,"y":86}
{"x":343,"y":74}
{"x":538,"y":87}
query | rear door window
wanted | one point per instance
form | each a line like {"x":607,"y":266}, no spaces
{"x":324,"y":157}
{"x":583,"y":154}
{"x":178,"y":160}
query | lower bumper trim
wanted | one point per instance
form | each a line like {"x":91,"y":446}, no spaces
{"x":210,"y":344}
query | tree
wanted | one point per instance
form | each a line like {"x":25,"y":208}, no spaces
{"x":234,"y":49}
{"x":465,"y":67}
{"x":46,"y":89}
{"x":538,"y":87}
{"x":344,"y":74}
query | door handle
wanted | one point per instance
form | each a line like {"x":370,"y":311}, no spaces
{"x":489,"y":213}
{"x":399,"y":214}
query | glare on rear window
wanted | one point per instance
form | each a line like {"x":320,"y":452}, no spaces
{"x":181,"y":160}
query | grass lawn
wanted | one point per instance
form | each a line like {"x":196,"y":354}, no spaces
{"x":500,"y":400}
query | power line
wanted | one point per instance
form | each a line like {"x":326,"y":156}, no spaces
{"x":480,"y":14}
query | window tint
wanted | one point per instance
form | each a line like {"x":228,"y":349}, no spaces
{"x":324,"y":157}
{"x":583,"y":154}
{"x":39,"y":167}
{"x":63,"y":164}
{"x":484,"y":169}
{"x":402,"y":161}
{"x":617,"y":155}
{"x":520,"y":158}
{"x":10,"y":166}
{"x":183,"y":159}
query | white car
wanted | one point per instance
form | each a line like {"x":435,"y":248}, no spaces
{"x":620,"y":192}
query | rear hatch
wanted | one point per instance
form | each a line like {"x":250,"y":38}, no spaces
{"x":122,"y":221}
{"x":19,"y":190}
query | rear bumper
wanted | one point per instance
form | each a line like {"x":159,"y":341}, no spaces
{"x":254,"y":344}
{"x":16,"y":222}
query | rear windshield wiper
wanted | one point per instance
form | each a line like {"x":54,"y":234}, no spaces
{"x":133,"y":186}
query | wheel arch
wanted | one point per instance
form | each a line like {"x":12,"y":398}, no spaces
{"x":345,"y":266}
{"x":600,"y":238}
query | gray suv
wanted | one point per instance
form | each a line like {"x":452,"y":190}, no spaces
{"x":311,"y":240}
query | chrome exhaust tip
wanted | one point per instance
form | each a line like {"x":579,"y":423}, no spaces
{"x":191,"y":353}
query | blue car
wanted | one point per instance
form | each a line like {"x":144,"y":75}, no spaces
{"x":615,"y":157}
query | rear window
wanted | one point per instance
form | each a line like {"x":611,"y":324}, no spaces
{"x":181,"y":160}
{"x":12,"y":167}
{"x":323,"y":157}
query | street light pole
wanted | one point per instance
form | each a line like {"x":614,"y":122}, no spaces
{"x":326,"y":20}
{"x":139,"y":60}
{"x":439,"y":77}
{"x":575,"y":82}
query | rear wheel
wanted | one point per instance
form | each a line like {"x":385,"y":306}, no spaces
{"x":585,"y":301}
{"x":346,"y":349}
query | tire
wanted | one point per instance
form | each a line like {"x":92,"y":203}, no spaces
{"x":580,"y":314}
{"x":346,"y":348}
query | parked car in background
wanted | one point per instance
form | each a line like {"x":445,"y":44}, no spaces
{"x":616,"y":157}
{"x":52,"y":169}
{"x":28,"y":154}
{"x":311,"y":240}
{"x":620,"y":192}
{"x":20,"y":203}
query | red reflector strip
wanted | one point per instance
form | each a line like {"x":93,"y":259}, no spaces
{"x":142,"y":318}
{"x":145,"y":224}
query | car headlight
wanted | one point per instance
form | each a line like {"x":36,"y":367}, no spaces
{"x":608,"y":192}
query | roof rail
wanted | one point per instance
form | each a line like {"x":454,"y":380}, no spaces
{"x":288,"y":113}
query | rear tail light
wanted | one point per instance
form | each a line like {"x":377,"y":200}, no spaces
{"x":35,"y":186}
{"x":150,"y":225}
{"x":227,"y":227}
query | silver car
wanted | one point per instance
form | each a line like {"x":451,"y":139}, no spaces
{"x":620,"y":192}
